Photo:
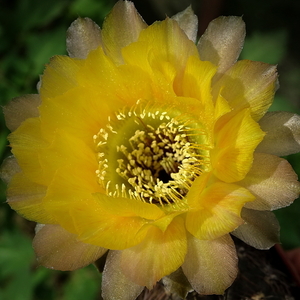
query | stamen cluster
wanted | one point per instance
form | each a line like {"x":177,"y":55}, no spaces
{"x":156,"y":162}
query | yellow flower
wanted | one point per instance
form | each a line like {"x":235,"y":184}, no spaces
{"x":153,"y":147}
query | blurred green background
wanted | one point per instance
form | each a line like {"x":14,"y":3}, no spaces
{"x":31,"y":31}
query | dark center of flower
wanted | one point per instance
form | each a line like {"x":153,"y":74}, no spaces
{"x":149,"y":156}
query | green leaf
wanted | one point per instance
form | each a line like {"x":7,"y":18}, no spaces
{"x":16,"y":258}
{"x":95,"y":10}
{"x":269,"y":47}
{"x":42,"y":47}
{"x":281,"y":103}
{"x":289,"y":221}
{"x":83,"y":284}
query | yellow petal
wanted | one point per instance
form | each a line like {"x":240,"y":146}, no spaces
{"x":114,"y":223}
{"x":121,"y":27}
{"x":210,"y":266}
{"x":146,"y":263}
{"x":83,"y":36}
{"x":60,"y":76}
{"x":68,"y":113}
{"x":26,"y":197}
{"x":162,"y":43}
{"x":248,"y":84}
{"x":282,"y":133}
{"x":69,"y":151}
{"x":111,"y":87}
{"x":261,"y":229}
{"x":236,"y":138}
{"x":19,"y":109}
{"x":215,"y":210}
{"x":272,"y":181}
{"x":196,"y":83}
{"x":221,"y":107}
{"x":115,"y":285}
{"x":222,"y":42}
{"x":26,"y":142}
{"x":60,"y":250}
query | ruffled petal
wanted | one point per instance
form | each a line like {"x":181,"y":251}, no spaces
{"x":83,"y":36}
{"x":222,"y":42}
{"x":115,"y":285}
{"x":235,"y":141}
{"x":216,"y":211}
{"x":282,"y":133}
{"x":162,"y":51}
{"x":272,"y":181}
{"x":248,"y":84}
{"x":19,"y":109}
{"x":261,"y":229}
{"x":196,"y":83}
{"x":210,"y":266}
{"x":121,"y":27}
{"x":58,"y":249}
{"x":115,"y":86}
{"x":188,"y":22}
{"x":146,"y":262}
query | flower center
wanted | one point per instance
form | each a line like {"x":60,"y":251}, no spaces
{"x":151,"y":156}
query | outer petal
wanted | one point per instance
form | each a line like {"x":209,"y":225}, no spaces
{"x":115,"y":285}
{"x":210,"y":266}
{"x":83,"y":36}
{"x":272,"y":181}
{"x":216,"y":211}
{"x":19,"y":109}
{"x":146,"y":262}
{"x":283,"y":133}
{"x":58,"y":249}
{"x":188,"y":22}
{"x":9,"y":168}
{"x":120,"y":28}
{"x":248,"y":84}
{"x":222,"y":42}
{"x":235,"y":141}
{"x":261,"y":229}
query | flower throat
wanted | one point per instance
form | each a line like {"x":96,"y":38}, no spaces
{"x":148,"y":156}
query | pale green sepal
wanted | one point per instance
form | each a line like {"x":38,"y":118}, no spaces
{"x":115,"y":285}
{"x":83,"y":36}
{"x":222,"y":42}
{"x":177,"y":283}
{"x":121,"y":27}
{"x":188,"y":22}
{"x":260,"y":230}
{"x":9,"y":168}
{"x":282,"y":133}
{"x":19,"y":109}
